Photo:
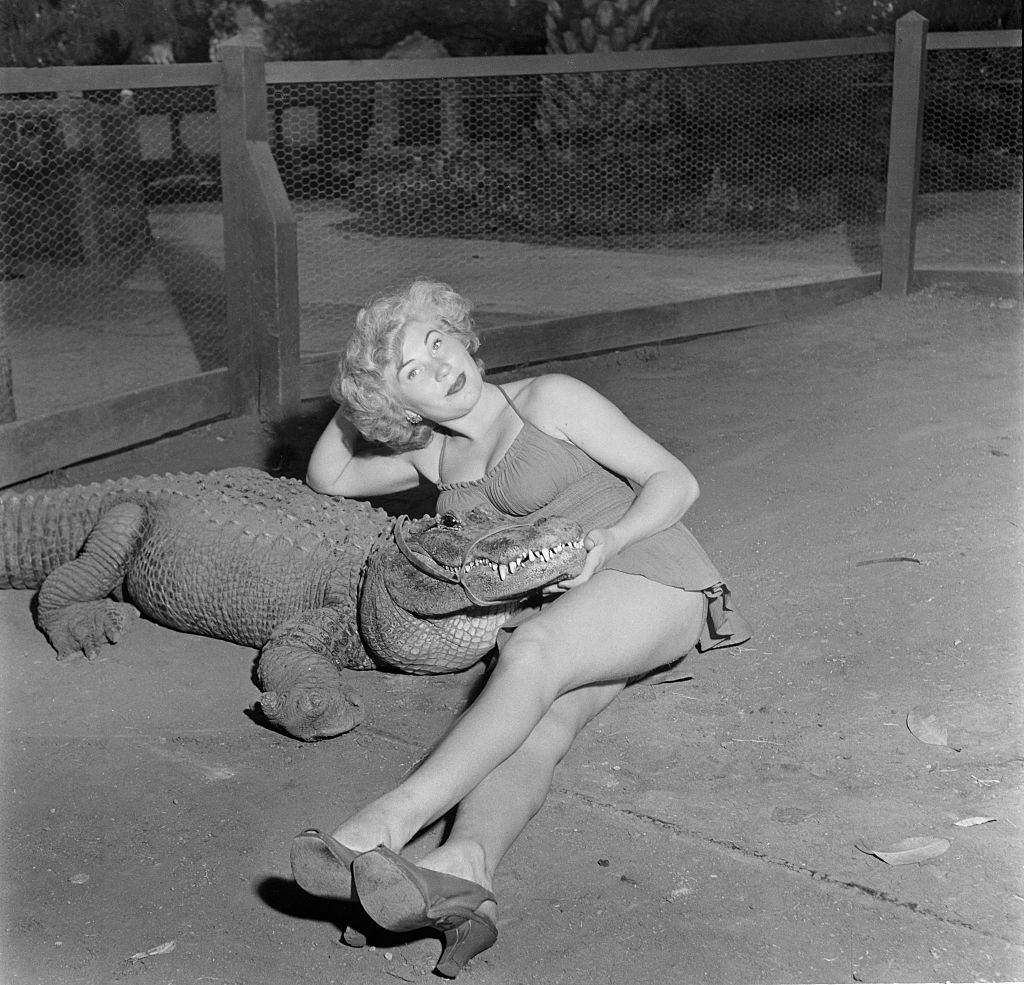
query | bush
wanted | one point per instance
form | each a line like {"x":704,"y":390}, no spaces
{"x":321,"y":30}
{"x":521,"y":190}
{"x":433,"y":192}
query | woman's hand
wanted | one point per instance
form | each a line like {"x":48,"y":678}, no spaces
{"x":601,"y":546}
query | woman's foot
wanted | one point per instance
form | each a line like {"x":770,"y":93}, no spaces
{"x":465,"y":859}
{"x":380,"y":822}
{"x":401,"y":896}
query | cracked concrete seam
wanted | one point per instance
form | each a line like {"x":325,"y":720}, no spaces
{"x":752,"y":855}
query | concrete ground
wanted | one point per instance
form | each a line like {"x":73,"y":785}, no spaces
{"x":861,"y":477}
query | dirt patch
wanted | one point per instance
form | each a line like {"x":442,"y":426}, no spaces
{"x":861,"y":491}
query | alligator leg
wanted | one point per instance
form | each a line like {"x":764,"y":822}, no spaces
{"x":74,"y":610}
{"x":300,"y":674}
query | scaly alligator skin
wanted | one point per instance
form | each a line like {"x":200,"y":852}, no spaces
{"x":478,"y":566}
{"x":268,"y":563}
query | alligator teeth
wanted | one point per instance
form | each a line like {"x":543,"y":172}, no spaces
{"x":512,"y":565}
{"x":502,"y":571}
{"x":545,"y":553}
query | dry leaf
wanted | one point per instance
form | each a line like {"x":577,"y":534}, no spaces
{"x":164,"y":948}
{"x":926,"y":726}
{"x":969,"y":822}
{"x":908,"y":851}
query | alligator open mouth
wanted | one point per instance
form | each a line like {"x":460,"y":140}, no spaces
{"x":503,"y":569}
{"x":481,"y":559}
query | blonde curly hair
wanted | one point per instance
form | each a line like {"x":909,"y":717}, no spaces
{"x":359,"y":384}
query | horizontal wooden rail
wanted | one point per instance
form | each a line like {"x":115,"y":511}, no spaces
{"x":29,"y":448}
{"x":506,"y":346}
{"x":65,"y":78}
{"x":68,"y":78}
{"x":389,"y":69}
{"x":973,"y":39}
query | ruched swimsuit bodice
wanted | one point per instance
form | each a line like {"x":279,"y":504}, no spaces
{"x":540,"y":475}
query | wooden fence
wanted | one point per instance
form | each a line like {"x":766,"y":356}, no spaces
{"x":265,"y":374}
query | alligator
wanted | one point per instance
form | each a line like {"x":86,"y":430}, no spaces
{"x":320,"y":585}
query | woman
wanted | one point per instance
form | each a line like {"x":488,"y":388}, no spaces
{"x":547,"y":445}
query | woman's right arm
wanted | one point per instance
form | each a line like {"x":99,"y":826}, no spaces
{"x":336,"y":468}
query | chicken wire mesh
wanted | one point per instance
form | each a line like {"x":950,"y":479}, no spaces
{"x":537,"y":195}
{"x":111,"y":241}
{"x":971,"y":160}
{"x":549,"y":195}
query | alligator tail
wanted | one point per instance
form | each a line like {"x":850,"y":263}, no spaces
{"x":41,"y":530}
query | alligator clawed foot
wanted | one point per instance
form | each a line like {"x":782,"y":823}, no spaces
{"x":83,"y":627}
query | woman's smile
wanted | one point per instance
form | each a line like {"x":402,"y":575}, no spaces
{"x":460,"y":382}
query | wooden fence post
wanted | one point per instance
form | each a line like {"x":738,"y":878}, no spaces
{"x":238,"y":116}
{"x":260,"y":245}
{"x":908,"y":93}
{"x":7,"y":413}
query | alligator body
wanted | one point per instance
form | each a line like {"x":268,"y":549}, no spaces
{"x":320,"y":585}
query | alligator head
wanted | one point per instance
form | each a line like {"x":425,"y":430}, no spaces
{"x":448,"y":563}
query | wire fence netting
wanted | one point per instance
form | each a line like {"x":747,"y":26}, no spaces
{"x":969,"y":212}
{"x":551,"y":195}
{"x":537,"y":195}
{"x":111,"y":243}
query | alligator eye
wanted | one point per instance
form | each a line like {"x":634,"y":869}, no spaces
{"x":449,"y":520}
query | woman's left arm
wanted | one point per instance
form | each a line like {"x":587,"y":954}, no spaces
{"x":569,"y":409}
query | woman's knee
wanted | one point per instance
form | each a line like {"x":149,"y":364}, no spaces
{"x":533,"y":654}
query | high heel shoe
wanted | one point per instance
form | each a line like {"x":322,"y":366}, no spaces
{"x":322,"y":865}
{"x":401,"y":896}
{"x":464,"y":942}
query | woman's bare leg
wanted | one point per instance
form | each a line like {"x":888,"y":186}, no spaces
{"x":581,"y":638}
{"x":493,"y":815}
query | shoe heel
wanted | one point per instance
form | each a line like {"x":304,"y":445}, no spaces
{"x":353,"y":937}
{"x":465,"y":942}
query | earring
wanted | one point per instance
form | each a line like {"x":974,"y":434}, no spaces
{"x":412,"y":417}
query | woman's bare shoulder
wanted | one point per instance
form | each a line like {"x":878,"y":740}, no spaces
{"x":552,"y":394}
{"x":536,"y":391}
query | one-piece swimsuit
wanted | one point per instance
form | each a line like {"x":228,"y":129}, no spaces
{"x":540,"y":475}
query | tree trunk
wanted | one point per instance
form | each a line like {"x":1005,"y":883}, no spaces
{"x":597,"y":107}
{"x":576,"y":26}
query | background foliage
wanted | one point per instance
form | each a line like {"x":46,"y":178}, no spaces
{"x":38,"y":33}
{"x":89,"y":32}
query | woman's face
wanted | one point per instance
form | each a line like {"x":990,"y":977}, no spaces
{"x":436,"y":376}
